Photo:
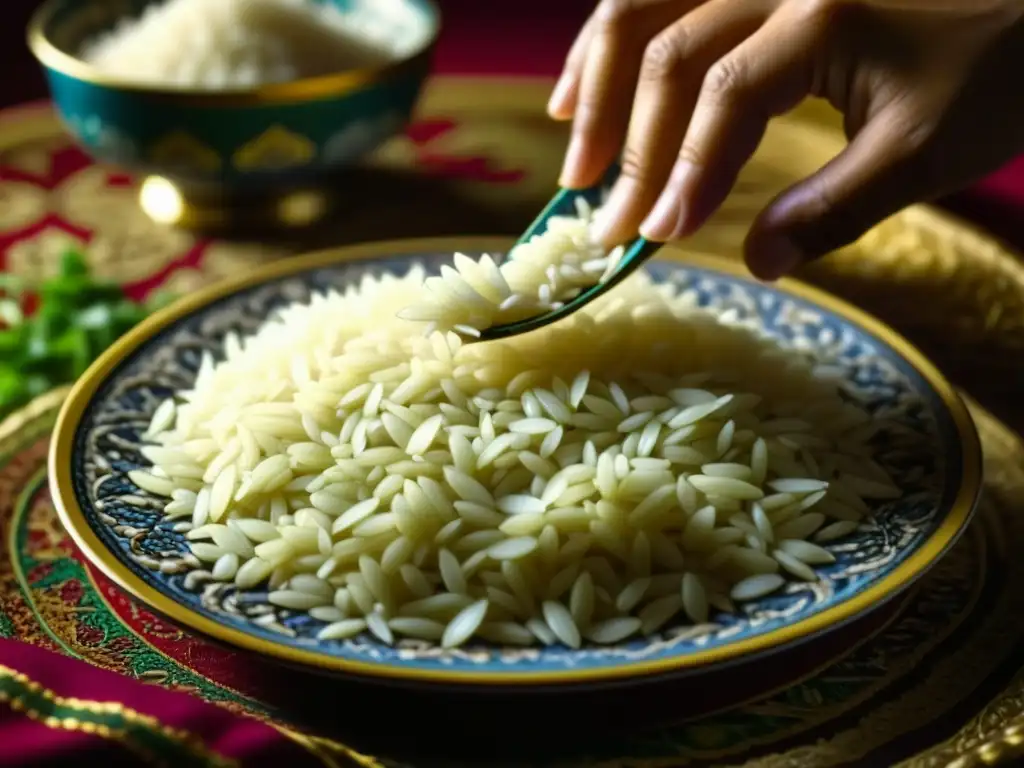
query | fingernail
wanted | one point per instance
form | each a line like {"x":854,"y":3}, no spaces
{"x":775,"y":256}
{"x":667,"y":218}
{"x":573,"y":164}
{"x":607,"y":219}
{"x":662,"y":222}
{"x":558,"y":102}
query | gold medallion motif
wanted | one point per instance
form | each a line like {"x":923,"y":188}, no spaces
{"x":273,"y":150}
{"x":126,"y":246}
{"x":33,"y":158}
{"x":181,"y":150}
{"x":21,"y":204}
{"x":38,"y":257}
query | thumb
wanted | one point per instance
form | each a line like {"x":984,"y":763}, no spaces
{"x":883,"y":169}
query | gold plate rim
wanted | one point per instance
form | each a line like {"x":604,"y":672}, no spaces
{"x":74,"y":521}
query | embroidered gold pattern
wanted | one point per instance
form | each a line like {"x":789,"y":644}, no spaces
{"x":912,"y":257}
{"x":21,"y":204}
{"x":142,"y":734}
{"x":330,"y":753}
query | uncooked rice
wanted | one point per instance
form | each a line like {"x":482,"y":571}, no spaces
{"x":218,"y":44}
{"x":538,"y":276}
{"x":639,"y":465}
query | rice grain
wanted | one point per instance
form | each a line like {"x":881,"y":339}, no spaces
{"x":563,"y":485}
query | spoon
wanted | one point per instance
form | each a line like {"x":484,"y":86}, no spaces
{"x":636,"y":252}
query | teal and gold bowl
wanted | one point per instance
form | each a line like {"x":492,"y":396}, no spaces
{"x":263,"y":137}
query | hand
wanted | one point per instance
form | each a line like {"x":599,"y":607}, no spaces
{"x":931,"y":92}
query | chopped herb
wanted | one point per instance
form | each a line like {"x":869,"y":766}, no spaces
{"x":76,"y":318}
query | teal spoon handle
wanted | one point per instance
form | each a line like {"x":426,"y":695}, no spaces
{"x":564,"y":204}
{"x":639,"y":251}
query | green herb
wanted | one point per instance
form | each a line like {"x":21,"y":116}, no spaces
{"x":76,"y":319}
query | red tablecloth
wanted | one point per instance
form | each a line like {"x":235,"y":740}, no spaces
{"x":526,"y":37}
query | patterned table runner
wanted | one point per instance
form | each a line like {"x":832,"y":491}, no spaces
{"x":933,"y":681}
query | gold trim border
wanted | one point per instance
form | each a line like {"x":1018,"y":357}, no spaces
{"x":92,"y":546}
{"x":186,"y":740}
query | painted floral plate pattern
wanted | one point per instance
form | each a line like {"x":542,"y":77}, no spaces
{"x":121,"y":527}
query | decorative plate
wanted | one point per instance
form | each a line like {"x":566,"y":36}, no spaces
{"x":122,"y":531}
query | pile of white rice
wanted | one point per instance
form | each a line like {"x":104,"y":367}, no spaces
{"x":632,"y":467}
{"x":538,"y":276}
{"x":217,"y":44}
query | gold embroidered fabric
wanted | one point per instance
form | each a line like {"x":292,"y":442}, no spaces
{"x":941,"y":683}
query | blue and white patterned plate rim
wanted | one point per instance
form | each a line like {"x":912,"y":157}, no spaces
{"x":853,"y":573}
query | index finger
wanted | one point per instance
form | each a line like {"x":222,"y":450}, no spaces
{"x":674,"y":66}
{"x":621,"y":31}
{"x":767,"y":74}
{"x":562,"y":103}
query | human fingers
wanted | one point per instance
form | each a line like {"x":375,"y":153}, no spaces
{"x":607,"y":82}
{"x":674,"y":65}
{"x":562,"y":102}
{"x":768,"y":73}
{"x":887,"y":166}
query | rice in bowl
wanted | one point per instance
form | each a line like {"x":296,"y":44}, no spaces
{"x":644,"y":467}
{"x":211,"y":45}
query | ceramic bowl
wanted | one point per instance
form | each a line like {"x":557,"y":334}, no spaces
{"x":230,"y":139}
{"x":122,"y":532}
